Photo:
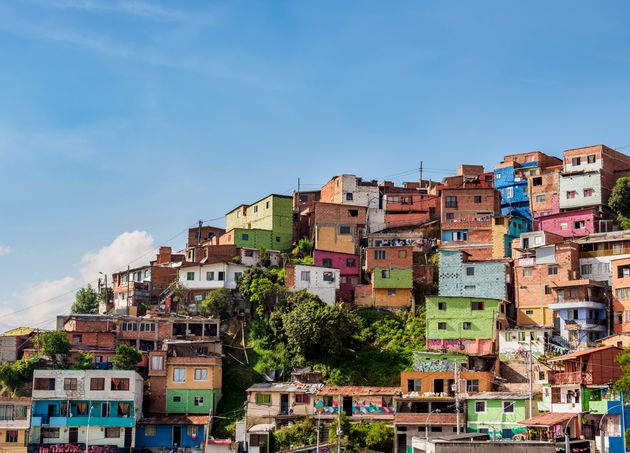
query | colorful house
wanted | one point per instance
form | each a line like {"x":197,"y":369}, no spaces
{"x":349,"y":268}
{"x":358,"y":403}
{"x":15,"y":422}
{"x":157,"y":433}
{"x":280,"y":402}
{"x":266,"y":223}
{"x":98,"y":407}
{"x":321,"y":281}
{"x":497,"y":414}
{"x":193,"y":384}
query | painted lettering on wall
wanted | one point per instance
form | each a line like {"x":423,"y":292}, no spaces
{"x":469,"y":346}
{"x":77,"y":448}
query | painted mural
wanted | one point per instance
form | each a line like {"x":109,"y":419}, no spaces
{"x":360,"y":406}
{"x":481,"y":347}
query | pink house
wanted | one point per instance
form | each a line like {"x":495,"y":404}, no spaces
{"x":569,"y":224}
{"x":349,"y":267}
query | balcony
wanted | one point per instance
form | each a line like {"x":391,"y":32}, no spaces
{"x":606,"y":252}
{"x":82,"y":420}
{"x":564,"y":304}
{"x":571,"y":377}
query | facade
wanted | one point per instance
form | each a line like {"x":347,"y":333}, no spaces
{"x":469,"y":324}
{"x":621,"y":294}
{"x":358,"y":403}
{"x":497,"y":414}
{"x":349,"y":269}
{"x":199,"y":279}
{"x":99,"y":407}
{"x":158,"y":433}
{"x":408,"y":209}
{"x":266,"y":223}
{"x":15,"y":422}
{"x":13,"y":343}
{"x":504,"y":230}
{"x":461,"y":276}
{"x":338,"y":227}
{"x":597,"y":251}
{"x":324,"y":282}
{"x":193,"y":384}
{"x":278,"y":403}
{"x":517,"y":342}
{"x":352,"y":190}
{"x":544,"y":193}
{"x":252,"y":257}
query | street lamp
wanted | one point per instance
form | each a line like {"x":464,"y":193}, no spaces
{"x":87,"y":433}
{"x":567,"y":440}
{"x":319,"y":410}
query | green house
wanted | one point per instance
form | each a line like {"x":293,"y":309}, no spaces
{"x":497,"y":414}
{"x":468,"y":318}
{"x":386,"y":278}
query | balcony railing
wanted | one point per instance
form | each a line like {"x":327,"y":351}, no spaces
{"x":571,"y":377}
{"x":606,"y":252}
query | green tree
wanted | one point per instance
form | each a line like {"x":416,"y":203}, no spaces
{"x":619,"y":201}
{"x":219,"y":303}
{"x":55,"y":346}
{"x":126,"y":357}
{"x":380,"y":437}
{"x":85,"y":301}
{"x":15,"y":377}
{"x":83,"y":361}
{"x":299,"y":434}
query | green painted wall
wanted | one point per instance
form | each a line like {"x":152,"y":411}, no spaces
{"x":186,"y":405}
{"x":458,"y":310}
{"x":252,"y":238}
{"x":398,"y":278}
{"x":494,"y":417}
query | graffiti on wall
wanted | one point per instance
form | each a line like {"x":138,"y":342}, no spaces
{"x":469,"y":346}
{"x":384,"y":406}
{"x":77,"y":448}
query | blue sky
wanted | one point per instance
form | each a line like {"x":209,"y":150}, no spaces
{"x":142,"y":117}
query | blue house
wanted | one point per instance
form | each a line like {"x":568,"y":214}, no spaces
{"x":184,"y":431}
{"x":511,"y":180}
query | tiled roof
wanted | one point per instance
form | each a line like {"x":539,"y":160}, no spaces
{"x":576,"y":354}
{"x":548,"y":419}
{"x":330,"y":390}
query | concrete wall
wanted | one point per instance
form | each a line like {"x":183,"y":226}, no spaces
{"x":564,"y":224}
{"x":577,"y":183}
{"x":489,"y":279}
{"x":200,"y":276}
{"x":192,"y":436}
{"x":458,"y":310}
{"x":340,"y":261}
{"x":398,"y":278}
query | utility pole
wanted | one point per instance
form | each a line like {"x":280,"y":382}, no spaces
{"x":128,"y":288}
{"x":338,"y":424}
{"x":199,"y":232}
{"x":456,"y":374}
{"x":530,"y":376}
{"x":421,"y":174}
{"x":298,"y":196}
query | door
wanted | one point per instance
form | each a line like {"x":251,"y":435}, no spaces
{"x":438,"y":386}
{"x":177,"y":435}
{"x":128,"y":437}
{"x":73,"y":435}
{"x":284,"y":403}
{"x":347,"y":405}
{"x":451,"y":387}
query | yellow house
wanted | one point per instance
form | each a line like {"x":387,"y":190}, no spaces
{"x":193,"y":384}
{"x":15,"y":422}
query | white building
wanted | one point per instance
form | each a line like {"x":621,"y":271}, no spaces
{"x":321,"y":281}
{"x":515,"y":343}
{"x":196,"y":276}
{"x":251,"y":256}
{"x":598,"y":250}
{"x":97,"y":407}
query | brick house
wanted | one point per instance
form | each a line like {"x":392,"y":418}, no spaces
{"x":349,"y":268}
{"x":338,"y":227}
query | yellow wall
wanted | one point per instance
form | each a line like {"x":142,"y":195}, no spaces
{"x":329,"y":239}
{"x":498,"y":240}
{"x":541,"y":316}
{"x":401,"y":299}
{"x":213,"y":381}
{"x":13,"y":447}
{"x":262,"y":219}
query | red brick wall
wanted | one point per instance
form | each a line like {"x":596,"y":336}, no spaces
{"x":392,"y":257}
{"x":289,"y":276}
{"x":327,"y":213}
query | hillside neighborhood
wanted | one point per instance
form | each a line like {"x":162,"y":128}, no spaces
{"x":489,"y":310}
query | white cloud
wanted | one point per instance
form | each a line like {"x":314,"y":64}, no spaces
{"x":4,"y":250}
{"x":131,"y":7}
{"x":41,"y":302}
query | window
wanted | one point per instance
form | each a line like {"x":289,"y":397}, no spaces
{"x":237,"y":276}
{"x":105,"y":410}
{"x":97,"y":384}
{"x":380,"y":254}
{"x":6,"y":412}
{"x":627,"y":315}
{"x":327,"y":262}
{"x":44,"y":384}
{"x":509,"y":192}
{"x":177,"y":399}
{"x":198,"y":401}
{"x":344,"y":230}
{"x":11,"y":436}
{"x":540,"y":198}
{"x":552,"y":270}
{"x":385,"y":273}
{"x":402,"y":253}
{"x":541,"y":375}
{"x":623,"y":271}
{"x":245,"y":236}
{"x":579,"y":224}
{"x":442,"y":306}
{"x":529,"y":312}
{"x":267,"y":204}
{"x":329,"y":276}
{"x":537,"y":181}
{"x":50,"y":433}
{"x":586,"y":269}
{"x":201,"y":374}
{"x":149,"y":430}
{"x":467,"y":325}
{"x":480,"y":406}
{"x":190,"y":276}
{"x":302,"y":398}
{"x":210,"y":276}
{"x":548,"y":289}
{"x":590,"y":158}
{"x":179,"y":375}
{"x":249,"y":253}
{"x":305,"y":276}
{"x":508,"y":406}
{"x":391,"y":292}
{"x":255,"y":209}
{"x":351,"y":262}
{"x":263,"y":398}
{"x":571,"y":194}
{"x":564,"y":226}
{"x":451,"y":202}
{"x":470,"y":271}
{"x":221,"y":276}
{"x":472,"y":385}
{"x":622,"y":293}
{"x":588,"y":192}
{"x":120,"y":384}
{"x":112,"y":433}
{"x":21,"y":412}
{"x":477,"y":199}
{"x":278,"y":239}
{"x":476,"y":305}
{"x":460,"y":235}
{"x":527,"y":271}
{"x":349,"y":196}
{"x":414,"y":385}
{"x":353,"y":212}
{"x":441,"y":326}
{"x":575,"y":161}
{"x":70,"y":384}
{"x":450,"y":216}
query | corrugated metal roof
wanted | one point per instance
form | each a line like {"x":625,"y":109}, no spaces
{"x":19,"y":331}
{"x":330,"y":390}
{"x":576,"y":354}
{"x":548,"y":419}
{"x":423,"y":419}
{"x":285,"y":387}
{"x":499,"y":396}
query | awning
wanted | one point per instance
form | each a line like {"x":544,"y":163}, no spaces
{"x":549,"y":419}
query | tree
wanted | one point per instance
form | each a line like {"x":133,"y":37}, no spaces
{"x":219,"y":303}
{"x":14,"y":377}
{"x":380,"y":437}
{"x":126,"y":357}
{"x":619,"y":201}
{"x":85,"y":301}
{"x":54,"y":345}
{"x":83,"y":361}
{"x":299,"y":434}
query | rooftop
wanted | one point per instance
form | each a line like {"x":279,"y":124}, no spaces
{"x":548,"y":419}
{"x":499,"y":396}
{"x":330,"y":390}
{"x":585,"y":352}
{"x":285,"y":387}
